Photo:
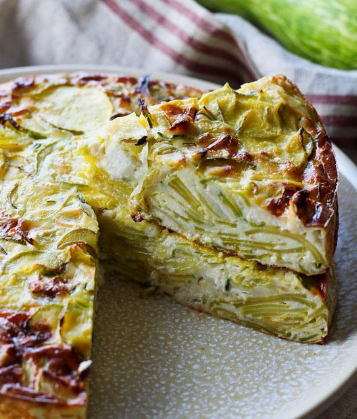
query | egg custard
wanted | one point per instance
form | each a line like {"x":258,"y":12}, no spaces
{"x":177,"y":191}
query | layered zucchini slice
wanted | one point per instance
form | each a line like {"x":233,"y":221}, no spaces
{"x":248,"y":172}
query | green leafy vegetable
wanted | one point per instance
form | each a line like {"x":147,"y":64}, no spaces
{"x":323,"y":31}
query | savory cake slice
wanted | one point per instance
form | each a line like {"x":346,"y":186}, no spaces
{"x":272,"y":300}
{"x":47,"y":286}
{"x":248,"y":172}
{"x":63,"y":165}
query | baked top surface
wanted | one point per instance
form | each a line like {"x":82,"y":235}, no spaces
{"x":265,"y":136}
{"x":34,"y":128}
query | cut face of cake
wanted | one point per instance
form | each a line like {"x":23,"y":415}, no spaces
{"x":177,"y":191}
{"x":249,"y":172}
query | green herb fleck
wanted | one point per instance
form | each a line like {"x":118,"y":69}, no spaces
{"x":227,"y":287}
{"x":144,"y":110}
{"x":209,"y":114}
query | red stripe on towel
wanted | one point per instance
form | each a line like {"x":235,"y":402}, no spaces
{"x":333,"y":99}
{"x":207,"y":26}
{"x":188,"y":39}
{"x":174,"y":55}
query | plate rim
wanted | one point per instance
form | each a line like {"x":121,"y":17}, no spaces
{"x":346,"y":167}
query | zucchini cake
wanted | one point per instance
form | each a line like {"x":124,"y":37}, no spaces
{"x":225,"y":201}
{"x":249,"y":172}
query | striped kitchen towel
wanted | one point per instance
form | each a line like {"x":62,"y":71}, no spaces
{"x":169,"y":35}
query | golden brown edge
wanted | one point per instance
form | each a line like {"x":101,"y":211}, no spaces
{"x":14,"y":408}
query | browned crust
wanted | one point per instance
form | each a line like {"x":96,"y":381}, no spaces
{"x":14,"y":228}
{"x":23,"y":342}
{"x":19,"y":409}
{"x":316,"y":208}
{"x":153,"y":91}
{"x":321,"y":284}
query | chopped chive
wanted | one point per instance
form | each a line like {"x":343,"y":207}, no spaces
{"x":117,"y":115}
{"x":227,"y":287}
{"x":144,"y":110}
{"x":143,"y":85}
{"x":81,"y":198}
{"x":10,"y":196}
{"x":221,"y":113}
{"x":209,"y":114}
{"x":141,"y":140}
{"x":72,"y":131}
{"x":165,"y":137}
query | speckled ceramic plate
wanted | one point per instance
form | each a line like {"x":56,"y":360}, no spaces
{"x":156,"y":359}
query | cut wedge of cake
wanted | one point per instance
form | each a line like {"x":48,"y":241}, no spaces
{"x":75,"y":154}
{"x":249,"y":172}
